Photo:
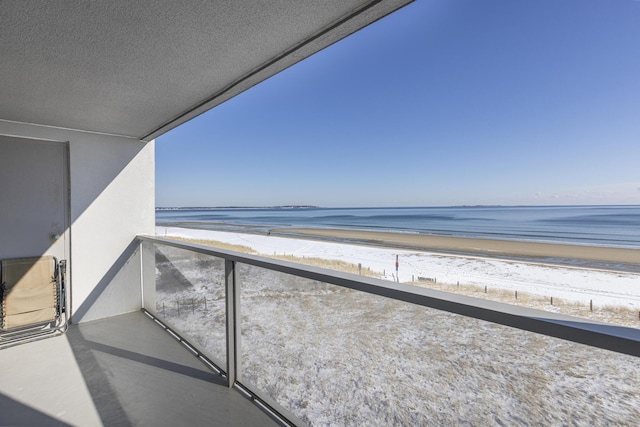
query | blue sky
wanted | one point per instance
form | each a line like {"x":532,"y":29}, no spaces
{"x":445,"y":102}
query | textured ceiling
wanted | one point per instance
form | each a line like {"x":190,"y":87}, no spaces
{"x":139,"y":68}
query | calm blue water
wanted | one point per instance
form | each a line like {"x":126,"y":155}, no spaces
{"x":617,"y":226}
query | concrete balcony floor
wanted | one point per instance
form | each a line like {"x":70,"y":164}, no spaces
{"x":120,"y":371}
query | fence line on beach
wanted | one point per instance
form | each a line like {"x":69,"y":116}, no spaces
{"x":611,"y":314}
{"x":181,"y":307}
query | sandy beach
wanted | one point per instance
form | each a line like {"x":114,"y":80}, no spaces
{"x":501,"y":248}
{"x":434,"y":258}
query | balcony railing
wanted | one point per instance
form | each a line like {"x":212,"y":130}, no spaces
{"x":319,"y":347}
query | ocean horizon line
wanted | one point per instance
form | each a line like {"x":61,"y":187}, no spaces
{"x":293,"y":206}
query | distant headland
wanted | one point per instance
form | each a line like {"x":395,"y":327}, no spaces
{"x":195,"y":208}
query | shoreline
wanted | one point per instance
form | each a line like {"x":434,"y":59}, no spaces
{"x":464,"y":245}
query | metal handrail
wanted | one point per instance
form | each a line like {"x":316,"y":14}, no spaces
{"x":619,"y":339}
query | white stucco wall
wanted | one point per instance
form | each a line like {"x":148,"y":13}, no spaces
{"x":112,"y":199}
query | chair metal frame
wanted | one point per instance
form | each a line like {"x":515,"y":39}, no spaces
{"x":10,"y":336}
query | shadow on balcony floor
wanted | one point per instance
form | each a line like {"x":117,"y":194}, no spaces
{"x":124,"y":370}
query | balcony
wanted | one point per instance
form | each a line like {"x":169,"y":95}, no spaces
{"x":123,"y":370}
{"x":230,"y":339}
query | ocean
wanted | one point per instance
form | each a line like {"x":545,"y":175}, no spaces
{"x":612,"y":226}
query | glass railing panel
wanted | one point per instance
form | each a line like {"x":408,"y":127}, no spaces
{"x":334,"y":356}
{"x":189,"y":294}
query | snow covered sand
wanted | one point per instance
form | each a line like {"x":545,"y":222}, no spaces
{"x":337,"y":357}
{"x":333,"y":356}
{"x":604,"y":288}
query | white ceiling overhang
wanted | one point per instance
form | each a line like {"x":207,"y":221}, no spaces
{"x":140,"y":68}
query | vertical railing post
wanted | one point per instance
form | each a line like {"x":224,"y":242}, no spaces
{"x":232,"y":298}
{"x":141,"y":261}
{"x":147,"y":275}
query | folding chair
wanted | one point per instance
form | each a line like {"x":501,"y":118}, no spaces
{"x":32,"y":292}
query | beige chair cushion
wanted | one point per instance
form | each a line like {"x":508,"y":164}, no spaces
{"x":30,"y":318}
{"x":30,"y":292}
